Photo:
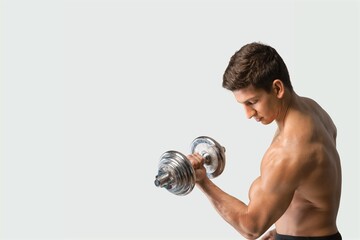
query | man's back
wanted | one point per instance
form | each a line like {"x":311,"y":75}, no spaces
{"x":309,"y":139}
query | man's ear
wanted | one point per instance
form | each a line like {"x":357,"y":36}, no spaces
{"x":278,"y":88}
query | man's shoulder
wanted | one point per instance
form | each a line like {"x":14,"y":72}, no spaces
{"x":283,"y":167}
{"x":309,"y":123}
{"x":292,"y":155}
{"x":318,"y":113}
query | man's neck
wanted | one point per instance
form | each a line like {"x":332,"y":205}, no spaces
{"x":286,"y":104}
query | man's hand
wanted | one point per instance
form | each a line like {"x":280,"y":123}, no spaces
{"x":197,"y":161}
{"x":270,"y":235}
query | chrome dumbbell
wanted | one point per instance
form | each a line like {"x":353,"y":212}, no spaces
{"x":175,"y":172}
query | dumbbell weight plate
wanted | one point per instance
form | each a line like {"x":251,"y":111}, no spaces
{"x":180,"y":175}
{"x":213,"y":153}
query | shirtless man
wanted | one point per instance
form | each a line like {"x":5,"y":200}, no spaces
{"x":299,"y":186}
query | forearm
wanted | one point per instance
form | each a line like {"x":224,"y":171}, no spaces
{"x":231,"y":209}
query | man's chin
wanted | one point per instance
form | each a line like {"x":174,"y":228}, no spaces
{"x":264,"y":122}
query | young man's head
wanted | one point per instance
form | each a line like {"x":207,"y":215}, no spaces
{"x":258,"y":77}
{"x":258,"y":65}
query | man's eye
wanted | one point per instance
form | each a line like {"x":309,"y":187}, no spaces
{"x":251,"y":102}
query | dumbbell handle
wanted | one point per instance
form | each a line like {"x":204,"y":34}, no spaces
{"x":207,"y":157}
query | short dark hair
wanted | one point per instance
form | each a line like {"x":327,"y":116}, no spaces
{"x":255,"y":64}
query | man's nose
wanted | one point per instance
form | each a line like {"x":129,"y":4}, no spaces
{"x":249,"y":111}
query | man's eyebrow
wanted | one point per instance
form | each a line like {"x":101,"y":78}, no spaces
{"x":248,"y":100}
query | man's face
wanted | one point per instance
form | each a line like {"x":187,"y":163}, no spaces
{"x":258,"y":104}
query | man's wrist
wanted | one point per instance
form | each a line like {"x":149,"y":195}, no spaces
{"x":204,"y":183}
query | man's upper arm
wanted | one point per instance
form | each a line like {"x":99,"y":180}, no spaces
{"x":272,"y":193}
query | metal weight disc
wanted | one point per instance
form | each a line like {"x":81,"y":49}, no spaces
{"x":181,"y":175}
{"x":213,"y":153}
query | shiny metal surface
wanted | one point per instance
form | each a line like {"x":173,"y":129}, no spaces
{"x":213,"y":153}
{"x":175,"y":172}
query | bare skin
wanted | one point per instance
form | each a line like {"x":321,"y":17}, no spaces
{"x":299,"y":185}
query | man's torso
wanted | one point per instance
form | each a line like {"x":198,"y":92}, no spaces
{"x":308,"y":140}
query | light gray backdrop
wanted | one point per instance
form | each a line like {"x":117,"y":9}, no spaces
{"x":93,"y":92}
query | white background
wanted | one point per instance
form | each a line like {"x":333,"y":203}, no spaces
{"x":93,"y":92}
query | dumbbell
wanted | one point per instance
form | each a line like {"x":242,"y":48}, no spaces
{"x":175,"y":171}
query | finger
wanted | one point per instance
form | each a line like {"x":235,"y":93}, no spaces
{"x":199,"y":158}
{"x":196,"y":160}
{"x":266,"y":236}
